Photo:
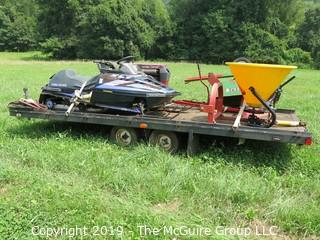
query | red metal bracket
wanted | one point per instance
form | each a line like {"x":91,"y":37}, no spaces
{"x":204,"y":77}
{"x":214,"y":106}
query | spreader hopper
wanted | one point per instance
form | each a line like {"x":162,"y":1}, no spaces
{"x":263,"y":79}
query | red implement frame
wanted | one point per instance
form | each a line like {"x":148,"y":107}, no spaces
{"x":214,"y":105}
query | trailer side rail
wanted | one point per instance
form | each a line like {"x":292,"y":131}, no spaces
{"x":155,"y":123}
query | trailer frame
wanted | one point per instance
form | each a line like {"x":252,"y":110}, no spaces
{"x":194,"y":129}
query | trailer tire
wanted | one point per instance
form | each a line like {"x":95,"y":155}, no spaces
{"x":165,"y":140}
{"x":124,"y":136}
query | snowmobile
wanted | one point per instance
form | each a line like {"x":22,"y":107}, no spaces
{"x":122,"y":85}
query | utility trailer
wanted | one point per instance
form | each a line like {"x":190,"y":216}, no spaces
{"x":166,"y":126}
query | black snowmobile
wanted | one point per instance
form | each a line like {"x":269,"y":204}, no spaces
{"x":121,"y":85}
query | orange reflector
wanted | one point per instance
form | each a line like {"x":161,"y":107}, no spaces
{"x":165,"y":82}
{"x":308,"y":141}
{"x":143,"y":125}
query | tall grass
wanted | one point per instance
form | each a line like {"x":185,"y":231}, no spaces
{"x":55,"y":174}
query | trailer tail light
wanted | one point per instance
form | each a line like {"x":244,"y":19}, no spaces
{"x":308,"y":141}
{"x":165,"y":82}
{"x":143,"y":125}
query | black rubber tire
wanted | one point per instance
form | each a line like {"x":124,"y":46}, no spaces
{"x":124,"y":136}
{"x":50,"y":103}
{"x":242,"y":60}
{"x":168,"y":141}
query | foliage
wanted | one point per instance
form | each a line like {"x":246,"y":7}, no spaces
{"x":309,"y":34}
{"x":59,"y":48}
{"x":260,"y":30}
{"x":108,"y":29}
{"x":18,"y":25}
{"x":297,"y":56}
{"x":203,"y":30}
{"x":262,"y":46}
{"x":58,"y":21}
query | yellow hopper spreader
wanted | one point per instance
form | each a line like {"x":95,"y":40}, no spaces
{"x":262,"y":78}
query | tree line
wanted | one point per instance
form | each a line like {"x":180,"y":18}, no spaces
{"x":267,"y":31}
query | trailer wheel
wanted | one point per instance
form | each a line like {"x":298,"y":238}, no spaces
{"x":166,"y":140}
{"x":124,"y":136}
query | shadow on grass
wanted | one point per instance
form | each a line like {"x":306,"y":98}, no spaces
{"x":252,"y":153}
{"x":44,"y":129}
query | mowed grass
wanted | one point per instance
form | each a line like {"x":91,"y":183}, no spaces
{"x":65,"y":175}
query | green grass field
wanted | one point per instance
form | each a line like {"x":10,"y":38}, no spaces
{"x":65,"y":175}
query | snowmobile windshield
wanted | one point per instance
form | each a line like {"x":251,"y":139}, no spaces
{"x":91,"y":83}
{"x":67,"y":79}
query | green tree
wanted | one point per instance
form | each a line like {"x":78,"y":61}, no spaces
{"x":18,"y":25}
{"x":222,"y":30}
{"x":58,"y":25}
{"x":104,"y":28}
{"x":309,"y":34}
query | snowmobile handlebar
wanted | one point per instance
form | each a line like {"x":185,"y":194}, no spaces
{"x":126,"y":59}
{"x":105,"y":62}
{"x":109,"y":63}
{"x":105,"y":65}
{"x":100,"y":61}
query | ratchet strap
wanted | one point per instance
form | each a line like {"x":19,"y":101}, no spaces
{"x":33,"y":104}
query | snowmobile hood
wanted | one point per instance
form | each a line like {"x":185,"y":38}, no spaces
{"x":136,"y":83}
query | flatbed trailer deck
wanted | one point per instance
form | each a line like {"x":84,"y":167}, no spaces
{"x":191,"y":121}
